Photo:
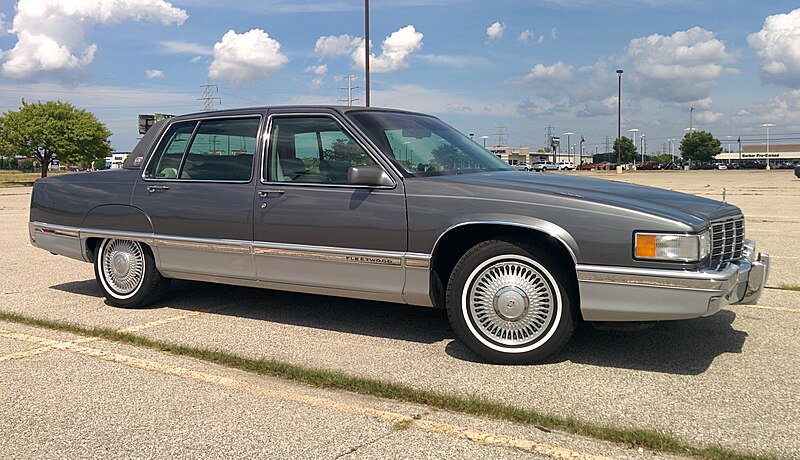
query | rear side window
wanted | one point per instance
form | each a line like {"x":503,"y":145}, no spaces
{"x":215,"y":150}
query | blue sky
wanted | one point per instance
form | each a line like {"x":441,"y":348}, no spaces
{"x":476,"y":64}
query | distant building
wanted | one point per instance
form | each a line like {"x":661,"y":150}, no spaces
{"x":758,"y":152}
{"x":517,"y":155}
{"x":116,"y":160}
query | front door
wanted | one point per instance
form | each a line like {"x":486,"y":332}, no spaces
{"x":314,"y":228}
{"x":198,"y":189}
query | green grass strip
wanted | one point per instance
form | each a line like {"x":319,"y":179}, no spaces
{"x":790,"y":286}
{"x":472,"y":405}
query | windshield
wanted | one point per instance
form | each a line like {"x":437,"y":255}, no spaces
{"x":425,"y":146}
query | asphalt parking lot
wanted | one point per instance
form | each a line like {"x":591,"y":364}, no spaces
{"x":731,"y":379}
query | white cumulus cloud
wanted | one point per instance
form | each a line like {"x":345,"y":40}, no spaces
{"x":556,"y":73}
{"x":332,"y":45}
{"x":682,"y":67}
{"x":154,"y":73}
{"x":778,"y":47}
{"x":525,"y":37}
{"x":395,"y":51}
{"x":51,"y":34}
{"x":494,"y":32}
{"x":246,"y":58}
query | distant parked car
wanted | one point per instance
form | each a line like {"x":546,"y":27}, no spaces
{"x":722,"y":166}
{"x":522,"y":167}
{"x":797,"y":171}
{"x":754,"y":165}
{"x":586,"y":166}
{"x":605,"y":165}
{"x":566,"y":165}
{"x":545,"y":166}
{"x":649,"y":165}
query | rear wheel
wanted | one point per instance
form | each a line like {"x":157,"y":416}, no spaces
{"x":126,"y":271}
{"x":510,"y":302}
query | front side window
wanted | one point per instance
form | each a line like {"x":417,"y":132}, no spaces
{"x":219,"y":150}
{"x":312,"y":149}
{"x":425,"y":146}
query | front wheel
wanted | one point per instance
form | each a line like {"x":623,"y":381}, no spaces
{"x":126,"y":271}
{"x":511,"y":303}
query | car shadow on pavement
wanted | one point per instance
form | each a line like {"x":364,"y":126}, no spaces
{"x":685,"y":347}
{"x":673,"y":347}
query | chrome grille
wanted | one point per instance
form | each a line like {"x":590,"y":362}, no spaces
{"x":727,"y":238}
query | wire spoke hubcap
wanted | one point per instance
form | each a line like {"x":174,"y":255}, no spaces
{"x":511,"y":303}
{"x":123,"y":265}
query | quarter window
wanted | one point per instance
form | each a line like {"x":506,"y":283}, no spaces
{"x":312,"y":149}
{"x":219,"y":150}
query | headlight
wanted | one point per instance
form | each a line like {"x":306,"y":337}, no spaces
{"x":669,"y":247}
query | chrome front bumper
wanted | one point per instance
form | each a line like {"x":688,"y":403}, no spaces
{"x":630,"y":294}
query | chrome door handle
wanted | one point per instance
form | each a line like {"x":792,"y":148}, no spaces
{"x":157,"y":188}
{"x":266,"y":193}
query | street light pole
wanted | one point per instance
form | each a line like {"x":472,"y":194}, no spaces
{"x":484,"y":140}
{"x":619,"y":121}
{"x":740,"y":149}
{"x":767,"y":125}
{"x":569,"y":145}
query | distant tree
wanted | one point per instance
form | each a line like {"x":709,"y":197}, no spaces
{"x":50,"y":130}
{"x":449,"y":157}
{"x":628,"y":151}
{"x":347,"y":150}
{"x":700,"y":146}
{"x":544,"y":150}
{"x":663,"y":158}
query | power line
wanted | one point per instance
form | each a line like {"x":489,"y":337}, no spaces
{"x":502,"y":135}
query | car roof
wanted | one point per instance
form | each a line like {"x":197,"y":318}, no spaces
{"x":343,"y":109}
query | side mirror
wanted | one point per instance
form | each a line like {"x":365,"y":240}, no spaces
{"x":372,"y":175}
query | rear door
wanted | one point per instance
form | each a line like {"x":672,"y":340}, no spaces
{"x":198,"y":190}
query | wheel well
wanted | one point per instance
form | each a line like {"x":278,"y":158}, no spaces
{"x":93,"y":243}
{"x":458,"y":241}
{"x":91,"y":248}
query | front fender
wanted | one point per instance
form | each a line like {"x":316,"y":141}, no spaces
{"x":512,"y":220}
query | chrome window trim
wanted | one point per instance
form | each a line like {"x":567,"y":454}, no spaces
{"x":197,"y":120}
{"x":266,"y":153}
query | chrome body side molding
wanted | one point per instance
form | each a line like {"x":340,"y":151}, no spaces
{"x":381,"y":275}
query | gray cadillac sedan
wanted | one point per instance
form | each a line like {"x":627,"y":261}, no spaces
{"x":400,"y":207}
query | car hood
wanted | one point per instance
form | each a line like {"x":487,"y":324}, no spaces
{"x":692,"y":209}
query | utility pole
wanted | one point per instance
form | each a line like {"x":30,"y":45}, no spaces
{"x":691,"y":119}
{"x":349,"y":89}
{"x":366,"y":51}
{"x":208,"y":97}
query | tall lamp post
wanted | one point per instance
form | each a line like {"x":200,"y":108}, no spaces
{"x":768,"y":126}
{"x":581,"y":158}
{"x":619,"y":121}
{"x":484,"y":140}
{"x":569,"y":145}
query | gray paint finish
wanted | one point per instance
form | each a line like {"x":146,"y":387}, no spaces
{"x":374,"y":243}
